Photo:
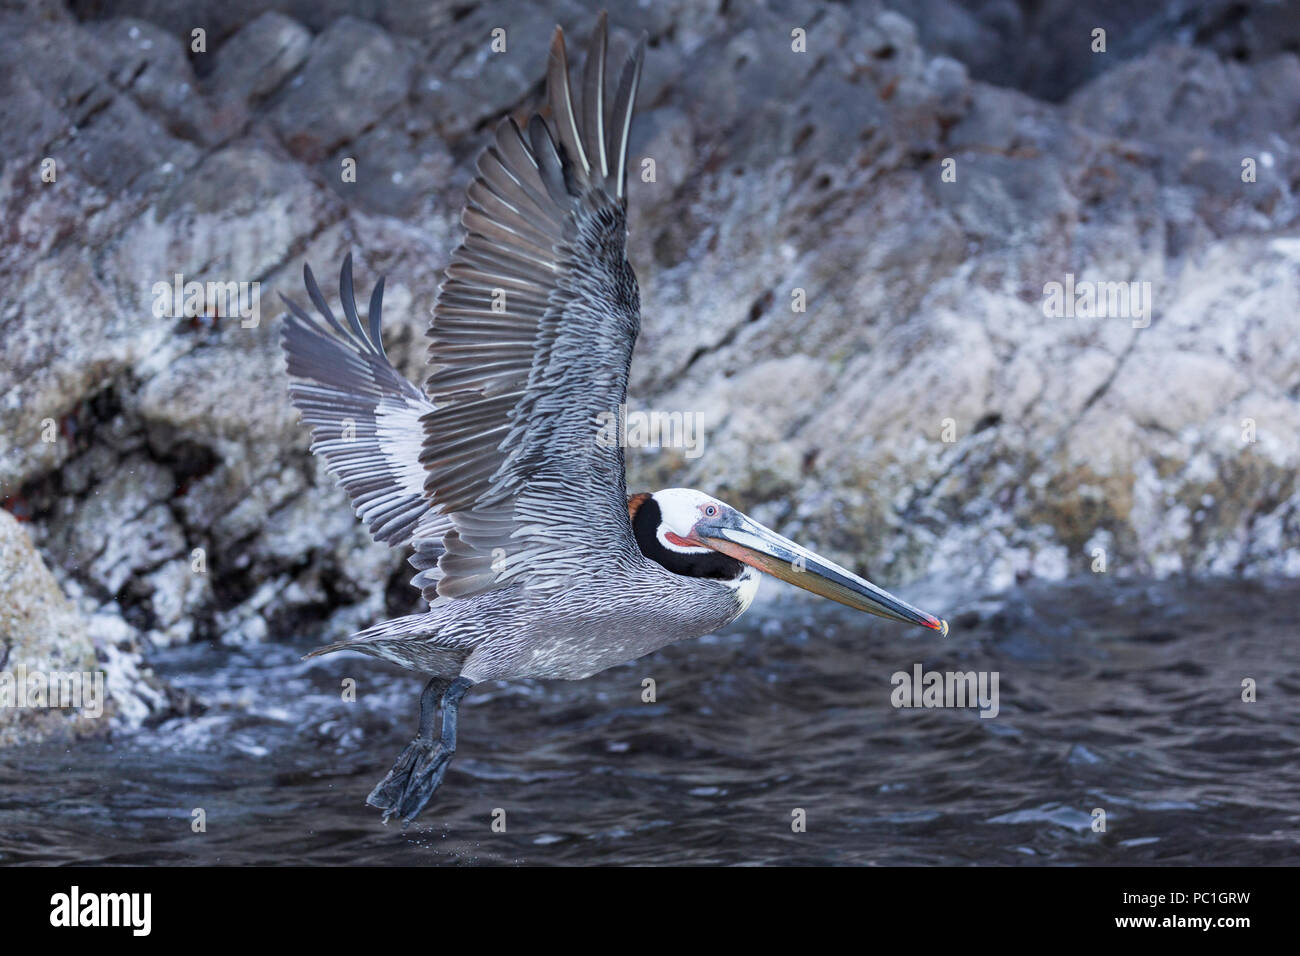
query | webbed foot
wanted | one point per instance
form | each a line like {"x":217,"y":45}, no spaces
{"x":410,"y":783}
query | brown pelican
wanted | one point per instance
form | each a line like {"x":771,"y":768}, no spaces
{"x":531,"y":556}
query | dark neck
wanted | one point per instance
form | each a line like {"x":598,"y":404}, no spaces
{"x":645,"y":524}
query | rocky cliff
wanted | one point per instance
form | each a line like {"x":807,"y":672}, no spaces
{"x":846,"y":249}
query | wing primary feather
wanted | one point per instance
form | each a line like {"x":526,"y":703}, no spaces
{"x":318,"y":300}
{"x":495,"y":171}
{"x":348,"y":297}
{"x":298,"y":312}
{"x":373,"y":313}
{"x":593,"y":98}
{"x":549,"y":164}
{"x":561,"y":99}
{"x":624,"y":101}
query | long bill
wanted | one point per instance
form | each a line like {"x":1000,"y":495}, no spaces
{"x":780,"y":557}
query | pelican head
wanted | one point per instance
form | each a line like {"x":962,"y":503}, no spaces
{"x":692,"y":533}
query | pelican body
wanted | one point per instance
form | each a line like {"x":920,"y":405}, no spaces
{"x":533,"y":560}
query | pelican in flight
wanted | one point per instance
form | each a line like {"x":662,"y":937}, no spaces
{"x":531,"y":556}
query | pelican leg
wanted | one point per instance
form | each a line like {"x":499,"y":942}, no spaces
{"x":388,"y":792}
{"x":419,"y":769}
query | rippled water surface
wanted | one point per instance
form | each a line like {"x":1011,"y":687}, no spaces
{"x":1125,"y":697}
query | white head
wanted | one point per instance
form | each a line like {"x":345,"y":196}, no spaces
{"x":696,"y":535}
{"x":680,"y":509}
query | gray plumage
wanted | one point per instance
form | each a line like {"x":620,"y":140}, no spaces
{"x":532,"y":558}
{"x":522,"y":536}
{"x":364,"y":416}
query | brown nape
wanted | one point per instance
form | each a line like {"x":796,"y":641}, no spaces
{"x":634,"y":502}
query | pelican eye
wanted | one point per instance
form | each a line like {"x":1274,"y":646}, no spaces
{"x":710,"y":511}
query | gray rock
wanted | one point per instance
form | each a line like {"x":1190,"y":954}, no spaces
{"x":464,"y":82}
{"x":177,"y":499}
{"x":1045,"y":48}
{"x":40,"y":633}
{"x":157,"y":76}
{"x":49,"y":649}
{"x":398,"y":171}
{"x":253,"y":63}
{"x":356,"y":73}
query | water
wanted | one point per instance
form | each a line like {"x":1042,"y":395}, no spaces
{"x":1125,"y":697}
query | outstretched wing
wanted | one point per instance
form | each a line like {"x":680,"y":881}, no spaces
{"x":364,"y":415}
{"x":530,"y":344}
